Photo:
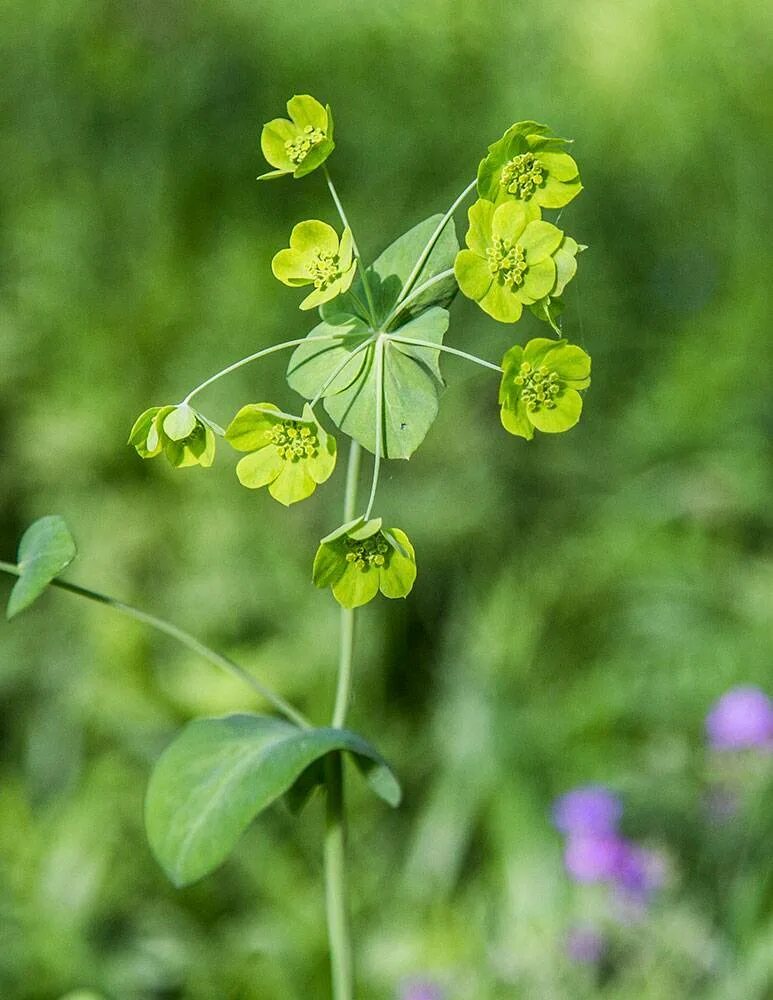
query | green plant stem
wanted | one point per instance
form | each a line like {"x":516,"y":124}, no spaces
{"x":447,"y":350}
{"x":434,"y":280}
{"x":336,"y":894}
{"x":424,"y":255}
{"x":182,"y":637}
{"x":379,"y":370}
{"x":355,"y":247}
{"x":255,"y":357}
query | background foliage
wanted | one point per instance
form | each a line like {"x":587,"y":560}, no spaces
{"x":581,"y":601}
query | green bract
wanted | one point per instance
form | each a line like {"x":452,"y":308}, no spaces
{"x":180,"y":432}
{"x":315,"y":257}
{"x":301,"y":144}
{"x":539,"y":387}
{"x":565,"y":258}
{"x":511,"y":260}
{"x":532,"y":166}
{"x":290,"y":455}
{"x":360,"y":558}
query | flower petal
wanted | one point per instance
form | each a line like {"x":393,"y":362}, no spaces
{"x":566,"y":264}
{"x":272,"y":142}
{"x":515,"y":421}
{"x":314,"y":158}
{"x":329,"y":564}
{"x":250,"y":429}
{"x":396,"y":579}
{"x":510,"y":220}
{"x":539,"y":279}
{"x":561,"y":166}
{"x":290,"y":267}
{"x":556,"y":194}
{"x":306,"y":110}
{"x":473,"y":274}
{"x":568,"y":361}
{"x":536,"y":349}
{"x":321,"y":466}
{"x":346,"y":249}
{"x":356,"y":587}
{"x":312,"y":235}
{"x":293,"y":483}
{"x":502,"y":303}
{"x":564,"y":416}
{"x":539,"y":239}
{"x":260,"y":468}
{"x":478,"y":236}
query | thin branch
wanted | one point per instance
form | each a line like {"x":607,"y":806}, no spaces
{"x":446,"y":350}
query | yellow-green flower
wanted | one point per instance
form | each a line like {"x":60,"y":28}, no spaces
{"x":182,"y":434}
{"x":360,"y":558}
{"x":510,"y":261}
{"x":530,"y":165}
{"x":315,"y":257}
{"x":291,"y":455}
{"x":540,"y":384}
{"x":301,"y":144}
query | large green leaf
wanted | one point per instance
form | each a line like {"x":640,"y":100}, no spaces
{"x":46,"y":548}
{"x":219,"y":774}
{"x":390,"y":271}
{"x":412,"y":382}
{"x":317,"y":359}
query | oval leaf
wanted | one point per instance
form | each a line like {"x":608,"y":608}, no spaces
{"x":219,"y":774}
{"x":317,"y":360}
{"x":390,"y":271}
{"x":46,"y":548}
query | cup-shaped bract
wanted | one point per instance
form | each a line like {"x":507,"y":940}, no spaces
{"x":301,"y":143}
{"x":531,"y":166}
{"x":317,"y":257}
{"x":288,"y":454}
{"x":180,"y":433}
{"x":361,"y":558}
{"x":540,"y":387}
{"x":510,"y":261}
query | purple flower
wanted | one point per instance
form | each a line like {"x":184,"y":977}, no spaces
{"x":741,"y":718}
{"x":589,"y":810}
{"x":640,"y":872}
{"x":421,"y":990}
{"x":589,"y":858}
{"x":585,"y":944}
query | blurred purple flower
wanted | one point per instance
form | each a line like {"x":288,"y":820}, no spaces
{"x":585,"y":944}
{"x":589,"y":810}
{"x":640,"y":872}
{"x":421,"y":990}
{"x":593,"y":859}
{"x":741,"y":718}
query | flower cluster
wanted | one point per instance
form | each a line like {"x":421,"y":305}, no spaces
{"x":180,"y":433}
{"x":595,"y":851}
{"x":291,"y":455}
{"x":361,"y":558}
{"x":301,"y":144}
{"x":316,"y":257}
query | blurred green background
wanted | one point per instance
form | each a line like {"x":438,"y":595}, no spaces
{"x":581,"y":600}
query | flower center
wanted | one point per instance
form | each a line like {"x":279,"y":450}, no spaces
{"x":370,"y":552}
{"x":294,"y":440}
{"x":325,"y":268}
{"x":539,"y":386}
{"x":300,"y":147}
{"x":507,"y":260}
{"x":522,"y":175}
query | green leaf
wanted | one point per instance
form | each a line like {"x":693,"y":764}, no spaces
{"x":389,"y":272}
{"x":46,"y":548}
{"x":219,"y":774}
{"x":314,"y":361}
{"x":412,"y":388}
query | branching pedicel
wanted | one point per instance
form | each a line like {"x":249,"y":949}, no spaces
{"x":373,"y":364}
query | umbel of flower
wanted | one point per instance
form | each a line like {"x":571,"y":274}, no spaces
{"x":316,"y":257}
{"x":510,"y":262}
{"x":182,"y":434}
{"x":539,"y":387}
{"x":362,"y":557}
{"x":530,"y":165}
{"x":290,"y":455}
{"x":301,"y":144}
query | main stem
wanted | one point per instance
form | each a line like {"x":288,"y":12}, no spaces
{"x":336,"y":896}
